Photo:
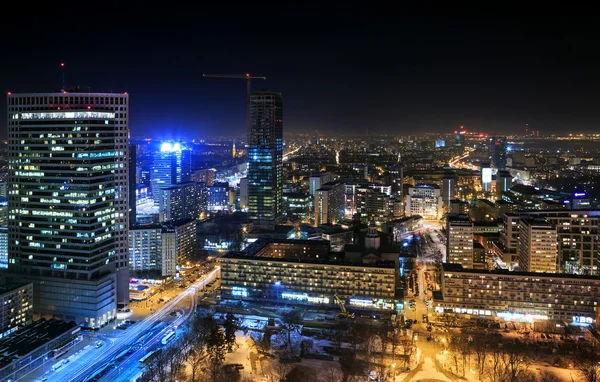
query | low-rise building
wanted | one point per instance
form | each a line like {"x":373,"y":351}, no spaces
{"x":520,"y":296}
{"x":33,"y":346}
{"x":305,"y":271}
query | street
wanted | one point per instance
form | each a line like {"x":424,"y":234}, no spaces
{"x":123,"y":344}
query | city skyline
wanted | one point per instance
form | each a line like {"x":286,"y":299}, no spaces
{"x":399,"y":74}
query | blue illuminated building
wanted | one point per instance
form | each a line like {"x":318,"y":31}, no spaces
{"x":172,"y":165}
{"x":265,"y":159}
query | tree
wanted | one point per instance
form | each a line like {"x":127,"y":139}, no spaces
{"x":587,"y":360}
{"x":548,"y":376}
{"x":332,"y":374}
{"x":480,"y":347}
{"x":216,"y":348}
{"x":292,"y":322}
{"x":231,"y":325}
{"x":408,"y":347}
{"x":300,"y":374}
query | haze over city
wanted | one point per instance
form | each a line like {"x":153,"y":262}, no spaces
{"x":344,"y":70}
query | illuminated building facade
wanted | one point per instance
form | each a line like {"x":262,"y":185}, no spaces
{"x":68,"y":202}
{"x":218,"y":196}
{"x":3,"y":247}
{"x":498,"y":149}
{"x":305,"y":271}
{"x":16,"y":307}
{"x":265,"y":159}
{"x":329,"y":203}
{"x":537,"y":245}
{"x":424,"y":200}
{"x":159,"y":248}
{"x":183,"y":201}
{"x":519,"y":296}
{"x":577,"y":237}
{"x":459,"y":245}
{"x":172,"y":165}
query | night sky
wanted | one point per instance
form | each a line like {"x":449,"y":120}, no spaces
{"x":410,"y":71}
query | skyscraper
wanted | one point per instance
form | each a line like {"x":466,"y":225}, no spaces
{"x":132,"y":183}
{"x":265,"y":159}
{"x":172,"y":165}
{"x":498,"y":150}
{"x":68,"y":208}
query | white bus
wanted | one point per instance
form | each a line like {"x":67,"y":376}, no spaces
{"x":145,"y":360}
{"x":168,"y":337}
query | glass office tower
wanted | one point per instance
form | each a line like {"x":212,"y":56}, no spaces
{"x":265,"y":159}
{"x":68,"y":208}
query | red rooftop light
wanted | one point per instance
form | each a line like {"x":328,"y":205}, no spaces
{"x":9,"y":93}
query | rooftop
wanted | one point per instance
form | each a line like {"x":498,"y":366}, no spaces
{"x":23,"y":342}
{"x":6,"y":288}
{"x":451,"y":267}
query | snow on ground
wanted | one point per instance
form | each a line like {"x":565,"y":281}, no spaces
{"x":427,"y":372}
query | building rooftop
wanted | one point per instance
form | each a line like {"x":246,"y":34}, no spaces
{"x":452,"y":267}
{"x":6,"y":288}
{"x":31,"y":337}
{"x":459,"y":218}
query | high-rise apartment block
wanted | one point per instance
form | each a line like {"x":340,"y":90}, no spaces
{"x":183,"y":201}
{"x":459,"y":244}
{"x":159,"y":248}
{"x":448,"y":190}
{"x":16,"y":307}
{"x":317,"y":180}
{"x":537,"y":245}
{"x":329,"y":203}
{"x":68,"y":202}
{"x":424,"y":200}
{"x":265,"y":159}
{"x":577,"y":236}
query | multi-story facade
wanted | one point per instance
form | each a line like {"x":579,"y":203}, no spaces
{"x":172,"y":165}
{"x":503,"y":183}
{"x":206,"y":176}
{"x":448,"y":190}
{"x":317,"y":180}
{"x":373,"y":205}
{"x":296,"y":275}
{"x":244,"y":194}
{"x":265,"y":159}
{"x":159,"y":248}
{"x":459,"y":244}
{"x":537,"y":245}
{"x":16,"y":307}
{"x":329,"y":203}
{"x":183,"y":201}
{"x":296,"y":206}
{"x":217,"y":196}
{"x":424,"y":200}
{"x":577,"y":234}
{"x":68,"y":207}
{"x":519,"y":295}
{"x":3,"y":247}
{"x":498,"y":151}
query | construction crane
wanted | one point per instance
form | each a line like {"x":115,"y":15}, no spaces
{"x":343,"y":312}
{"x":248,"y":79}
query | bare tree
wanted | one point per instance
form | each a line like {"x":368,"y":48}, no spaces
{"x":292,"y":322}
{"x":548,"y":376}
{"x":408,"y":348}
{"x":332,"y":374}
{"x":588,"y":362}
{"x":481,"y":348}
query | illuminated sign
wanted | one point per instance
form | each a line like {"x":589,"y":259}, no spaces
{"x":579,"y":194}
{"x":486,"y":175}
{"x":360,"y":302}
{"x":304,"y":297}
{"x":238,"y":291}
{"x":523,"y":317}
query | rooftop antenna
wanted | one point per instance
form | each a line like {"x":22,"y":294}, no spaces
{"x":62,"y":69}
